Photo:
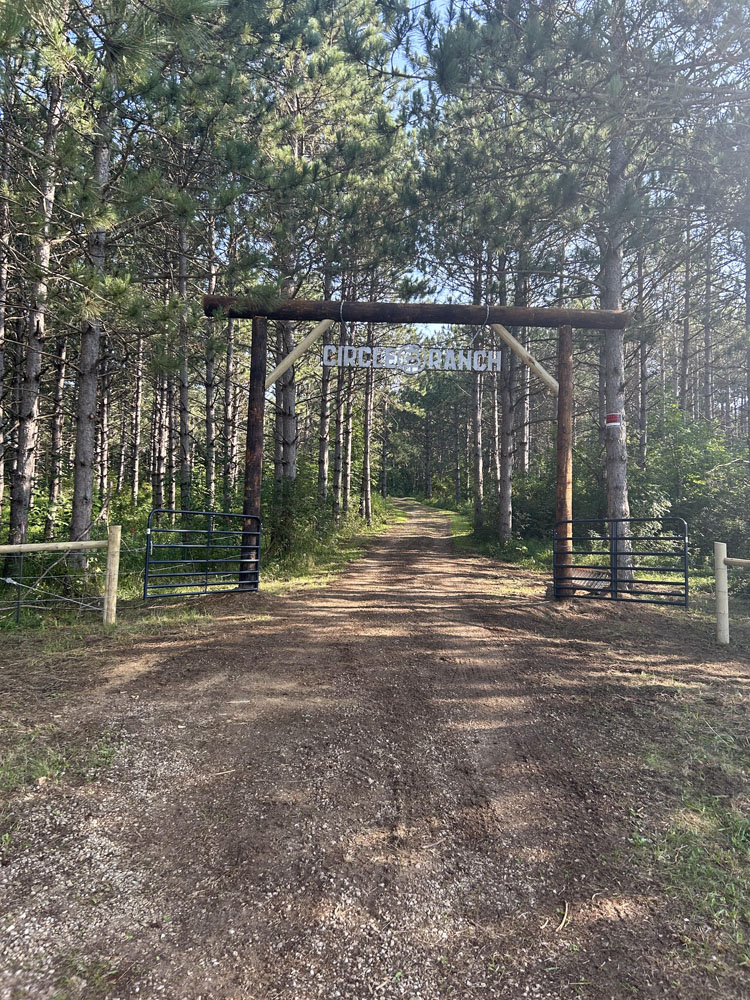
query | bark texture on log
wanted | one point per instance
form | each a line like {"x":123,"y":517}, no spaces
{"x":56,"y":442}
{"x":136,"y":424}
{"x":614,"y":346}
{"x":324,"y":428}
{"x":256,"y":400}
{"x":507,"y":420}
{"x":367,"y":437}
{"x":477,"y":476}
{"x":229,"y":474}
{"x":186,"y":454}
{"x":418,"y":312}
{"x":88,"y":358}
{"x":28,"y":404}
{"x":564,"y":495}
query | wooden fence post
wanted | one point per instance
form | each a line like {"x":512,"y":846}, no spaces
{"x":114,"y":535}
{"x":722,"y":593}
{"x":256,"y":400}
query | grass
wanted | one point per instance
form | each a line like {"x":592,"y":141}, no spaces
{"x":702,"y":860}
{"x":699,"y":851}
{"x":41,"y":754}
{"x":530,"y":553}
{"x":324,"y":558}
{"x":45,"y":753}
{"x":92,"y":978}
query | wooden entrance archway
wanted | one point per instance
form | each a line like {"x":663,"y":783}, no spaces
{"x":327,"y":312}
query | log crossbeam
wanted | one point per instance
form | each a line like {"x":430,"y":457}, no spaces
{"x":417,"y":312}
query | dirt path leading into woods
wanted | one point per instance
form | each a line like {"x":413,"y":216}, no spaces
{"x":417,"y":782}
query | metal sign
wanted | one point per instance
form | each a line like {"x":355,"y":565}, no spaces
{"x":411,"y":358}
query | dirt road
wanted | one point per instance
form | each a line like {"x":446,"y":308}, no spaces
{"x":418,"y":782}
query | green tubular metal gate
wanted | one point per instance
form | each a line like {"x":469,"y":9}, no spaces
{"x":200,"y":552}
{"x":637,"y":559}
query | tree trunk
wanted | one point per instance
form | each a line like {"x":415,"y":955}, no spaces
{"x":685,"y":355}
{"x":708,"y":413}
{"x":186,"y":456}
{"x":505,"y":493}
{"x":5,"y":162}
{"x":136,"y":425}
{"x":160,"y":442}
{"x":324,"y":429}
{"x":210,"y":425}
{"x":614,"y":341}
{"x":662,"y":383}
{"x":235,"y":450}
{"x":427,"y":454}
{"x":83,"y":463}
{"x":384,"y":453}
{"x":151,"y":467}
{"x":602,"y":391}
{"x":642,"y":370}
{"x":285,"y":443}
{"x":747,"y":317}
{"x":88,"y":358}
{"x":103,"y":427}
{"x":477,"y":464}
{"x":524,"y":411}
{"x":122,"y":463}
{"x":15,"y":364}
{"x":28,"y":413}
{"x":229,"y":473}
{"x":256,"y":406}
{"x":211,"y":379}
{"x":468,"y":465}
{"x":172,"y":445}
{"x":367,"y":436}
{"x":643,"y":419}
{"x":278,"y":420}
{"x":339,"y":433}
{"x":520,"y":430}
{"x":457,"y":470}
{"x":289,"y":431}
{"x":346,"y":492}
{"x":564,"y":461}
{"x":496,"y":444}
{"x":56,"y":433}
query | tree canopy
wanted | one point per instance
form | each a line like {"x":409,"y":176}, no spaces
{"x":537,"y":153}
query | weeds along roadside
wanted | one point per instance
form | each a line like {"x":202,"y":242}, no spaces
{"x":698,"y":849}
{"x":320,"y":549}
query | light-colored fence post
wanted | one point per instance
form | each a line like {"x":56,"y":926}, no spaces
{"x":722,"y":593}
{"x":114,"y":533}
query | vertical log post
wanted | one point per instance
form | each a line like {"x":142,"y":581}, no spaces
{"x":114,"y":535}
{"x":564,"y":500}
{"x":722,"y":593}
{"x":256,"y":401}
